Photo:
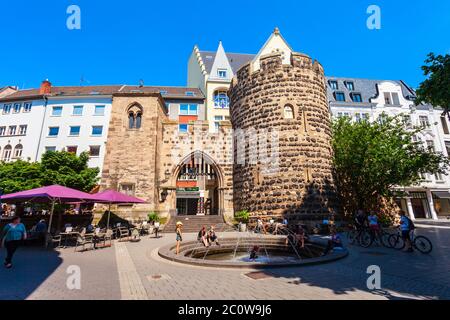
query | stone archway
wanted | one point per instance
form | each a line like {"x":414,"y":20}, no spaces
{"x":199,"y":182}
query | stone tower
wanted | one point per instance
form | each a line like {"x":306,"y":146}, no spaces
{"x":279,"y":103}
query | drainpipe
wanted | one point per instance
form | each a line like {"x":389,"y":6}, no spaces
{"x":42,"y":128}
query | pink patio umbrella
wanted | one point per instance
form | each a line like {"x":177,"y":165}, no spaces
{"x":52,"y":194}
{"x":113,"y":197}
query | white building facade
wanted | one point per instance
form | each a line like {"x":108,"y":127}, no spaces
{"x":361,"y":99}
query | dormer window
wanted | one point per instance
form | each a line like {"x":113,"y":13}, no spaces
{"x":356,"y":97}
{"x":340,"y":96}
{"x":189,"y":93}
{"x":222,"y":73}
{"x":333,"y":85}
{"x":350,"y":85}
{"x":163,"y":92}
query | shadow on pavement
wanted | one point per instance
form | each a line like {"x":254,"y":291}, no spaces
{"x":32,"y":266}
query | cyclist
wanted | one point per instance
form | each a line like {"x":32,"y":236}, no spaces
{"x":406,"y":226}
{"x":360,"y":220}
{"x":373,"y":224}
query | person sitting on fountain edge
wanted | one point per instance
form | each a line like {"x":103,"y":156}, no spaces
{"x":334,"y":242}
{"x":254,"y":253}
{"x":202,"y":236}
{"x":212,"y":237}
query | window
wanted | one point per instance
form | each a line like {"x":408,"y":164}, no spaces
{"x":189,"y":93}
{"x":77,"y":111}
{"x":430,"y":145}
{"x":366,"y":116}
{"x":183,"y":128}
{"x":217,"y":120}
{"x":94,"y":151}
{"x":99,"y":110}
{"x":72,"y":149}
{"x":356,"y":97}
{"x":222,"y":73}
{"x":334,"y":85}
{"x":358,"y":117}
{"x":50,"y":149}
{"x":423,"y":121}
{"x":407,"y":120}
{"x":23,"y":130}
{"x":288,"y":112}
{"x":188,"y":109}
{"x":75,"y":131}
{"x":12,"y":130}
{"x":447,"y":147}
{"x":350,"y":85}
{"x":387,"y":98}
{"x":221,"y":99}
{"x":7,"y":108}
{"x":438,"y":176}
{"x":53,"y":131}
{"x":27,"y":107}
{"x":7,"y":151}
{"x":339,"y":114}
{"x":57,"y":111}
{"x":17,"y":107}
{"x":340,"y":96}
{"x":134,"y":117}
{"x":18,"y":151}
{"x":97,"y":130}
{"x":2,"y":131}
{"x":127,"y":188}
{"x":395,"y":99}
{"x":444,"y":125}
{"x":163,"y":92}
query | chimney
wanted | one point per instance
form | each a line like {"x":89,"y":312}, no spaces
{"x":46,"y":87}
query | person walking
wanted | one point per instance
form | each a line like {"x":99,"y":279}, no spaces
{"x":179,"y":233}
{"x":13,"y":234}
{"x":156,"y":226}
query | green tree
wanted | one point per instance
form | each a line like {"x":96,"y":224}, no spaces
{"x":371,"y":159}
{"x":69,"y":170}
{"x":19,"y":175}
{"x":61,"y":168}
{"x":435,"y":90}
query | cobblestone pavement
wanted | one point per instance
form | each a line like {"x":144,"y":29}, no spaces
{"x":135,"y":271}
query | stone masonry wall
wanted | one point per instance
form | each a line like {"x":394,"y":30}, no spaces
{"x":300,"y":185}
{"x":132,"y":155}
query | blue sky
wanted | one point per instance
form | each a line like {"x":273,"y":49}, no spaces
{"x":124,"y":41}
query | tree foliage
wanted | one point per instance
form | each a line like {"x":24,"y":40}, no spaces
{"x":61,"y":168}
{"x":435,"y":90}
{"x":371,"y":159}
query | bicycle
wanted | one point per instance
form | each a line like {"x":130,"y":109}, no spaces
{"x":361,"y":236}
{"x":381,"y":237}
{"x":420,"y":243}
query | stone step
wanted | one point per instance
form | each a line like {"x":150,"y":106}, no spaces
{"x":195,"y":223}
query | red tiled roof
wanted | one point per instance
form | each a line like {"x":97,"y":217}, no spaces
{"x":169,"y":92}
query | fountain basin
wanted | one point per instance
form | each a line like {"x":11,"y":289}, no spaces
{"x":234,"y":253}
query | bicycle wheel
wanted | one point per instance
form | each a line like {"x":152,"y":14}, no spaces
{"x":396,"y":242}
{"x":423,"y":244}
{"x":385,"y":240}
{"x":365,"y":239}
{"x":351,"y":237}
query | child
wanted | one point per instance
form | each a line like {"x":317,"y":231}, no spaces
{"x":254,"y":253}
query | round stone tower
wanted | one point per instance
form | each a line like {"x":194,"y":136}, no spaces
{"x":278,"y":103}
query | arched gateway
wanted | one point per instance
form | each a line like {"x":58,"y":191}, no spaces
{"x":199,"y":183}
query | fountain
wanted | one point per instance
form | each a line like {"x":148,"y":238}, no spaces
{"x":236,"y":252}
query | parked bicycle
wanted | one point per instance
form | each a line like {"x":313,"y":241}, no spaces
{"x":365,"y":237}
{"x":420,"y":243}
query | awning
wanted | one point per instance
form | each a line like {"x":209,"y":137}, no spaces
{"x":441,"y":194}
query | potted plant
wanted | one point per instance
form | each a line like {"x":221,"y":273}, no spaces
{"x":242,"y":217}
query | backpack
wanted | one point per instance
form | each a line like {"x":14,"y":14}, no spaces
{"x":411,"y":224}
